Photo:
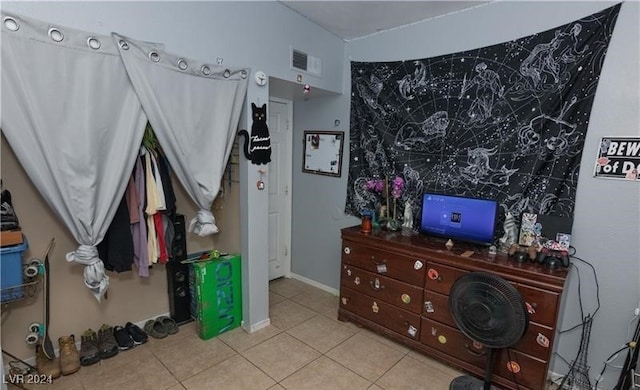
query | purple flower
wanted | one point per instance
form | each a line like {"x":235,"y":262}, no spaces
{"x":397,"y":187}
{"x":374,"y":185}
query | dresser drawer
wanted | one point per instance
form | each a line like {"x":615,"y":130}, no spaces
{"x":380,"y":312}
{"x":510,"y":364}
{"x":542,"y":305}
{"x":537,"y":341}
{"x":405,"y":268}
{"x":397,"y":293}
{"x":436,"y":307}
{"x":452,"y":342}
{"x":522,"y":369}
{"x":440,"y":278}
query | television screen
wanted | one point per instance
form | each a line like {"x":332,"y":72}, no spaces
{"x":457,"y":217}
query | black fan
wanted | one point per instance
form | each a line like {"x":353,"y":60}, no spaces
{"x":489,"y":310}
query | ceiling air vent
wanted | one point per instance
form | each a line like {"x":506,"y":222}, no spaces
{"x":299,"y":60}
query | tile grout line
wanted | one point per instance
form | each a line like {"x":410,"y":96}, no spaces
{"x":321,"y":353}
{"x":389,"y":369}
{"x":167,"y":368}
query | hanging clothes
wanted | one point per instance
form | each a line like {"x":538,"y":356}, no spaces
{"x":139,"y":229}
{"x":142,"y":232}
{"x":152,"y":204}
{"x":116,"y":249}
{"x":163,"y":255}
{"x":168,"y":215}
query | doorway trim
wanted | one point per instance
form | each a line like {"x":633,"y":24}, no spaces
{"x":289,"y":180}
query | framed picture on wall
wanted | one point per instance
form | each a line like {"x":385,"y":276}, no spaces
{"x":322,"y":152}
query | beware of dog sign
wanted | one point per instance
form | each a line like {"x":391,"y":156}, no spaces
{"x":618,"y":158}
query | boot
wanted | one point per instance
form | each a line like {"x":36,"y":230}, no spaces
{"x":47,"y":367}
{"x":89,"y":353}
{"x":69,"y":356}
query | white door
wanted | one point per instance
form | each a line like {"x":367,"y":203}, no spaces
{"x":280,"y":128}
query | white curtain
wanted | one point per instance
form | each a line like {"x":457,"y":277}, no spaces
{"x":194,"y":110}
{"x":75,"y":124}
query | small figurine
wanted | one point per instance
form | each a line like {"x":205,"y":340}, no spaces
{"x":449,"y":244}
{"x":510,"y":231}
{"x":408,"y":216}
{"x":383,"y":212}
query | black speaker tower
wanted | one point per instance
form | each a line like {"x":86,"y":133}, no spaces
{"x":178,"y":275}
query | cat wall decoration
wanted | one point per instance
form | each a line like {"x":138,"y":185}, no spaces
{"x":257,"y":147}
{"x":504,"y":122}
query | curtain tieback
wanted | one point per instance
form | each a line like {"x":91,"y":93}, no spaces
{"x":204,"y":223}
{"x":94,"y":277}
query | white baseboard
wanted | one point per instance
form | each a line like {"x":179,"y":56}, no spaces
{"x":256,"y":327}
{"x":316,"y":284}
{"x":554,"y":377}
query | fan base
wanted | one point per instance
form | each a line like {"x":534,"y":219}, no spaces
{"x":467,"y":382}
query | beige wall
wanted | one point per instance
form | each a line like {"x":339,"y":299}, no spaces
{"x":73,"y":308}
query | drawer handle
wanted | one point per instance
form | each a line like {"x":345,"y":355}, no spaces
{"x":474,"y":352}
{"x":376,"y":285}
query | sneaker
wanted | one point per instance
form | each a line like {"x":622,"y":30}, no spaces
{"x":138,"y":335}
{"x":89,"y":352}
{"x":107,"y":344}
{"x":123,"y":338}
{"x":47,"y":367}
{"x":69,"y":356}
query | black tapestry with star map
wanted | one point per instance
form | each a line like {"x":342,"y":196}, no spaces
{"x":505,"y":122}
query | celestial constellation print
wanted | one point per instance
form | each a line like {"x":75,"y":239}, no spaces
{"x":504,"y":122}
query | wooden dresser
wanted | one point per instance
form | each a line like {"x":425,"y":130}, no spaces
{"x":397,"y":284}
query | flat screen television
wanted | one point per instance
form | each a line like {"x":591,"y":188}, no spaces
{"x":459,"y":218}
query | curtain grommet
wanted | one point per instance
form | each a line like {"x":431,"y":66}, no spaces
{"x":154,"y":56}
{"x":93,"y":43}
{"x":55,"y":34}
{"x":123,"y":44}
{"x":243,"y":74}
{"x":10,"y":23}
{"x":226,"y":73}
{"x":182,"y":64}
{"x":205,"y":70}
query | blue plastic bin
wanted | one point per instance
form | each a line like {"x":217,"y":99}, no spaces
{"x":11,"y":272}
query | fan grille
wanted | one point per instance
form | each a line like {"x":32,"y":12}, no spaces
{"x":488,"y":309}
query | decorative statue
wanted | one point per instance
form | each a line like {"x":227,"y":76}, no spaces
{"x":383,"y":212}
{"x":510,"y":227}
{"x":408,"y":216}
{"x":257,"y":147}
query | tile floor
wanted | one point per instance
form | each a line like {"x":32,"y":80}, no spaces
{"x":305,"y":347}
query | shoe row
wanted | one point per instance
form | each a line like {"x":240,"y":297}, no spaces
{"x":103,"y":344}
{"x":108,"y":341}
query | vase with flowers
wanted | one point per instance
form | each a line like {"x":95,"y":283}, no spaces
{"x":377,"y":213}
{"x":390,"y":193}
